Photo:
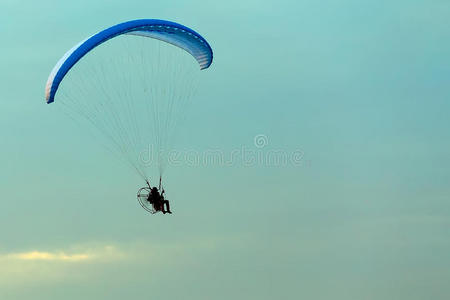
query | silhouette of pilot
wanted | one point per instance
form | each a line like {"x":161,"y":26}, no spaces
{"x":158,"y":201}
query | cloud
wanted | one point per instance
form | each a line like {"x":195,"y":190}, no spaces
{"x":49,"y":266}
{"x":81,"y":263}
{"x":38,"y":255}
{"x":99,"y":253}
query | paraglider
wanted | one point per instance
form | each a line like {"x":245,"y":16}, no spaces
{"x":132,"y":82}
{"x":152,"y":200}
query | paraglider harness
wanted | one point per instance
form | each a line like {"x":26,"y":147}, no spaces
{"x":151,"y":200}
{"x":156,"y":199}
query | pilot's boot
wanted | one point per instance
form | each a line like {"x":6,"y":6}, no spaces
{"x":167,"y":206}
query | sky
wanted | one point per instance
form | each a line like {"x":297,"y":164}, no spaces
{"x":354,"y":93}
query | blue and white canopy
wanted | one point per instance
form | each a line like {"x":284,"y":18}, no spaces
{"x":170,"y":32}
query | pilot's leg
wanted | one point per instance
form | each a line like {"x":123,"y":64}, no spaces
{"x":167,"y":206}
{"x":162,"y":207}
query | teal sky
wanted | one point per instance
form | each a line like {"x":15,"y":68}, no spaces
{"x":361,"y":88}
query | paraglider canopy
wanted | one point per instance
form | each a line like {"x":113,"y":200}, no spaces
{"x":132,"y":82}
{"x":170,"y":32}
